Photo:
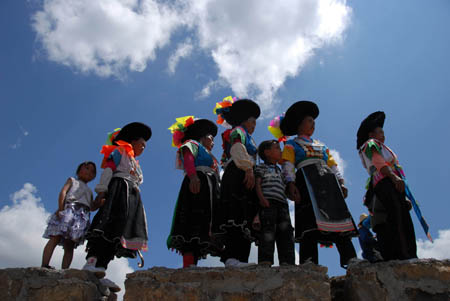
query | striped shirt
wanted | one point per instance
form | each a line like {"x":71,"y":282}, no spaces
{"x":272,"y":182}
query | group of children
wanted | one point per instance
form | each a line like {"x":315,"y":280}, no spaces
{"x":223,"y":215}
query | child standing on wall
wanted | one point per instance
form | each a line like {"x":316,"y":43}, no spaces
{"x":191,"y":223}
{"x":68,"y":225}
{"x":274,"y":210}
{"x":367,"y":241}
{"x":119,"y":229}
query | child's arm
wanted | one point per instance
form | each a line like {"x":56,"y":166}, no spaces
{"x":98,"y":202}
{"x":62,"y":195}
{"x":262,"y":200}
{"x":189,"y":167}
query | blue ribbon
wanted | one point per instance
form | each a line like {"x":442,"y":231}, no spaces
{"x":415,"y":205}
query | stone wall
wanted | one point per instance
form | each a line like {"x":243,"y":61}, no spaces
{"x":40,"y":284}
{"x":387,"y":281}
{"x":399,"y":280}
{"x":308,"y":282}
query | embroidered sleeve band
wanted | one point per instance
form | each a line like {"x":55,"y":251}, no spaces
{"x":240,"y":157}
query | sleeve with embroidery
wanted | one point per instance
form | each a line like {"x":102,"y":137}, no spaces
{"x":240,"y":157}
{"x":112,"y":163}
{"x":105,"y":178}
{"x":288,"y":158}
{"x":237,"y":134}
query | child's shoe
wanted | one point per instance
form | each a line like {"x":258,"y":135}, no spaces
{"x":90,"y":266}
{"x":110,"y":284}
{"x":234,"y":263}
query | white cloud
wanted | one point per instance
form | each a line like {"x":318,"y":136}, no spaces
{"x":341,"y":164}
{"x":439,"y":249}
{"x":106,"y":37}
{"x":256,"y":44}
{"x":183,"y":50}
{"x":211,"y":85}
{"x":23,"y":223}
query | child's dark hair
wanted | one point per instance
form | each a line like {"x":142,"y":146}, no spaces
{"x":265,"y":145}
{"x":85,"y":163}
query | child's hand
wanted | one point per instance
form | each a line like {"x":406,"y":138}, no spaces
{"x":194,"y":184}
{"x":293,"y":192}
{"x":99,"y":200}
{"x":264,"y":203}
{"x":344,"y":191}
{"x":249,"y":179}
{"x":57,"y":213}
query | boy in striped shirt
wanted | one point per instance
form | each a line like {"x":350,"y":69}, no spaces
{"x":274,"y":210}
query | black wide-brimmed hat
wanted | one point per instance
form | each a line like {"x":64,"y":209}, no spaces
{"x":371,"y":122}
{"x":199,"y":129}
{"x":240,"y":111}
{"x":134,"y":131}
{"x":295,"y":115}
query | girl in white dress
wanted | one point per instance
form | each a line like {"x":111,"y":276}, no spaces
{"x":68,"y":225}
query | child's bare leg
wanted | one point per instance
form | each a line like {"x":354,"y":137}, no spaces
{"x":48,"y":250}
{"x":68,"y":254}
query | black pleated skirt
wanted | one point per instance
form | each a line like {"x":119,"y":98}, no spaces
{"x":237,"y":206}
{"x":121,"y":220}
{"x":191,"y":222}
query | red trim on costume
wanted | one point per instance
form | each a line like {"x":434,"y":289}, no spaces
{"x":108,"y":149}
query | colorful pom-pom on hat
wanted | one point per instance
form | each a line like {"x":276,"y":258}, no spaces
{"x":232,"y":111}
{"x":274,"y":128}
{"x":112,"y":136}
{"x":222,"y":109}
{"x":189,"y":127}
{"x":179,"y":128}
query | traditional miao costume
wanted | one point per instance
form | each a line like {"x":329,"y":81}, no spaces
{"x":390,"y":209}
{"x":120,"y":227}
{"x":72,"y":222}
{"x":191,"y":223}
{"x":322,"y":215}
{"x":238,"y":206}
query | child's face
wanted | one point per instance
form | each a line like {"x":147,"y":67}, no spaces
{"x":86,"y":173}
{"x":249,"y":125}
{"x":138,"y":146}
{"x":207,"y":142}
{"x":307,"y":126}
{"x":273,"y":154}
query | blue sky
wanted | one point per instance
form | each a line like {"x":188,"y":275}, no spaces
{"x":63,"y":87}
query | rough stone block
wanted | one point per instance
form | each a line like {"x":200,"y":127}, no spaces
{"x":418,"y":279}
{"x":305,"y":282}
